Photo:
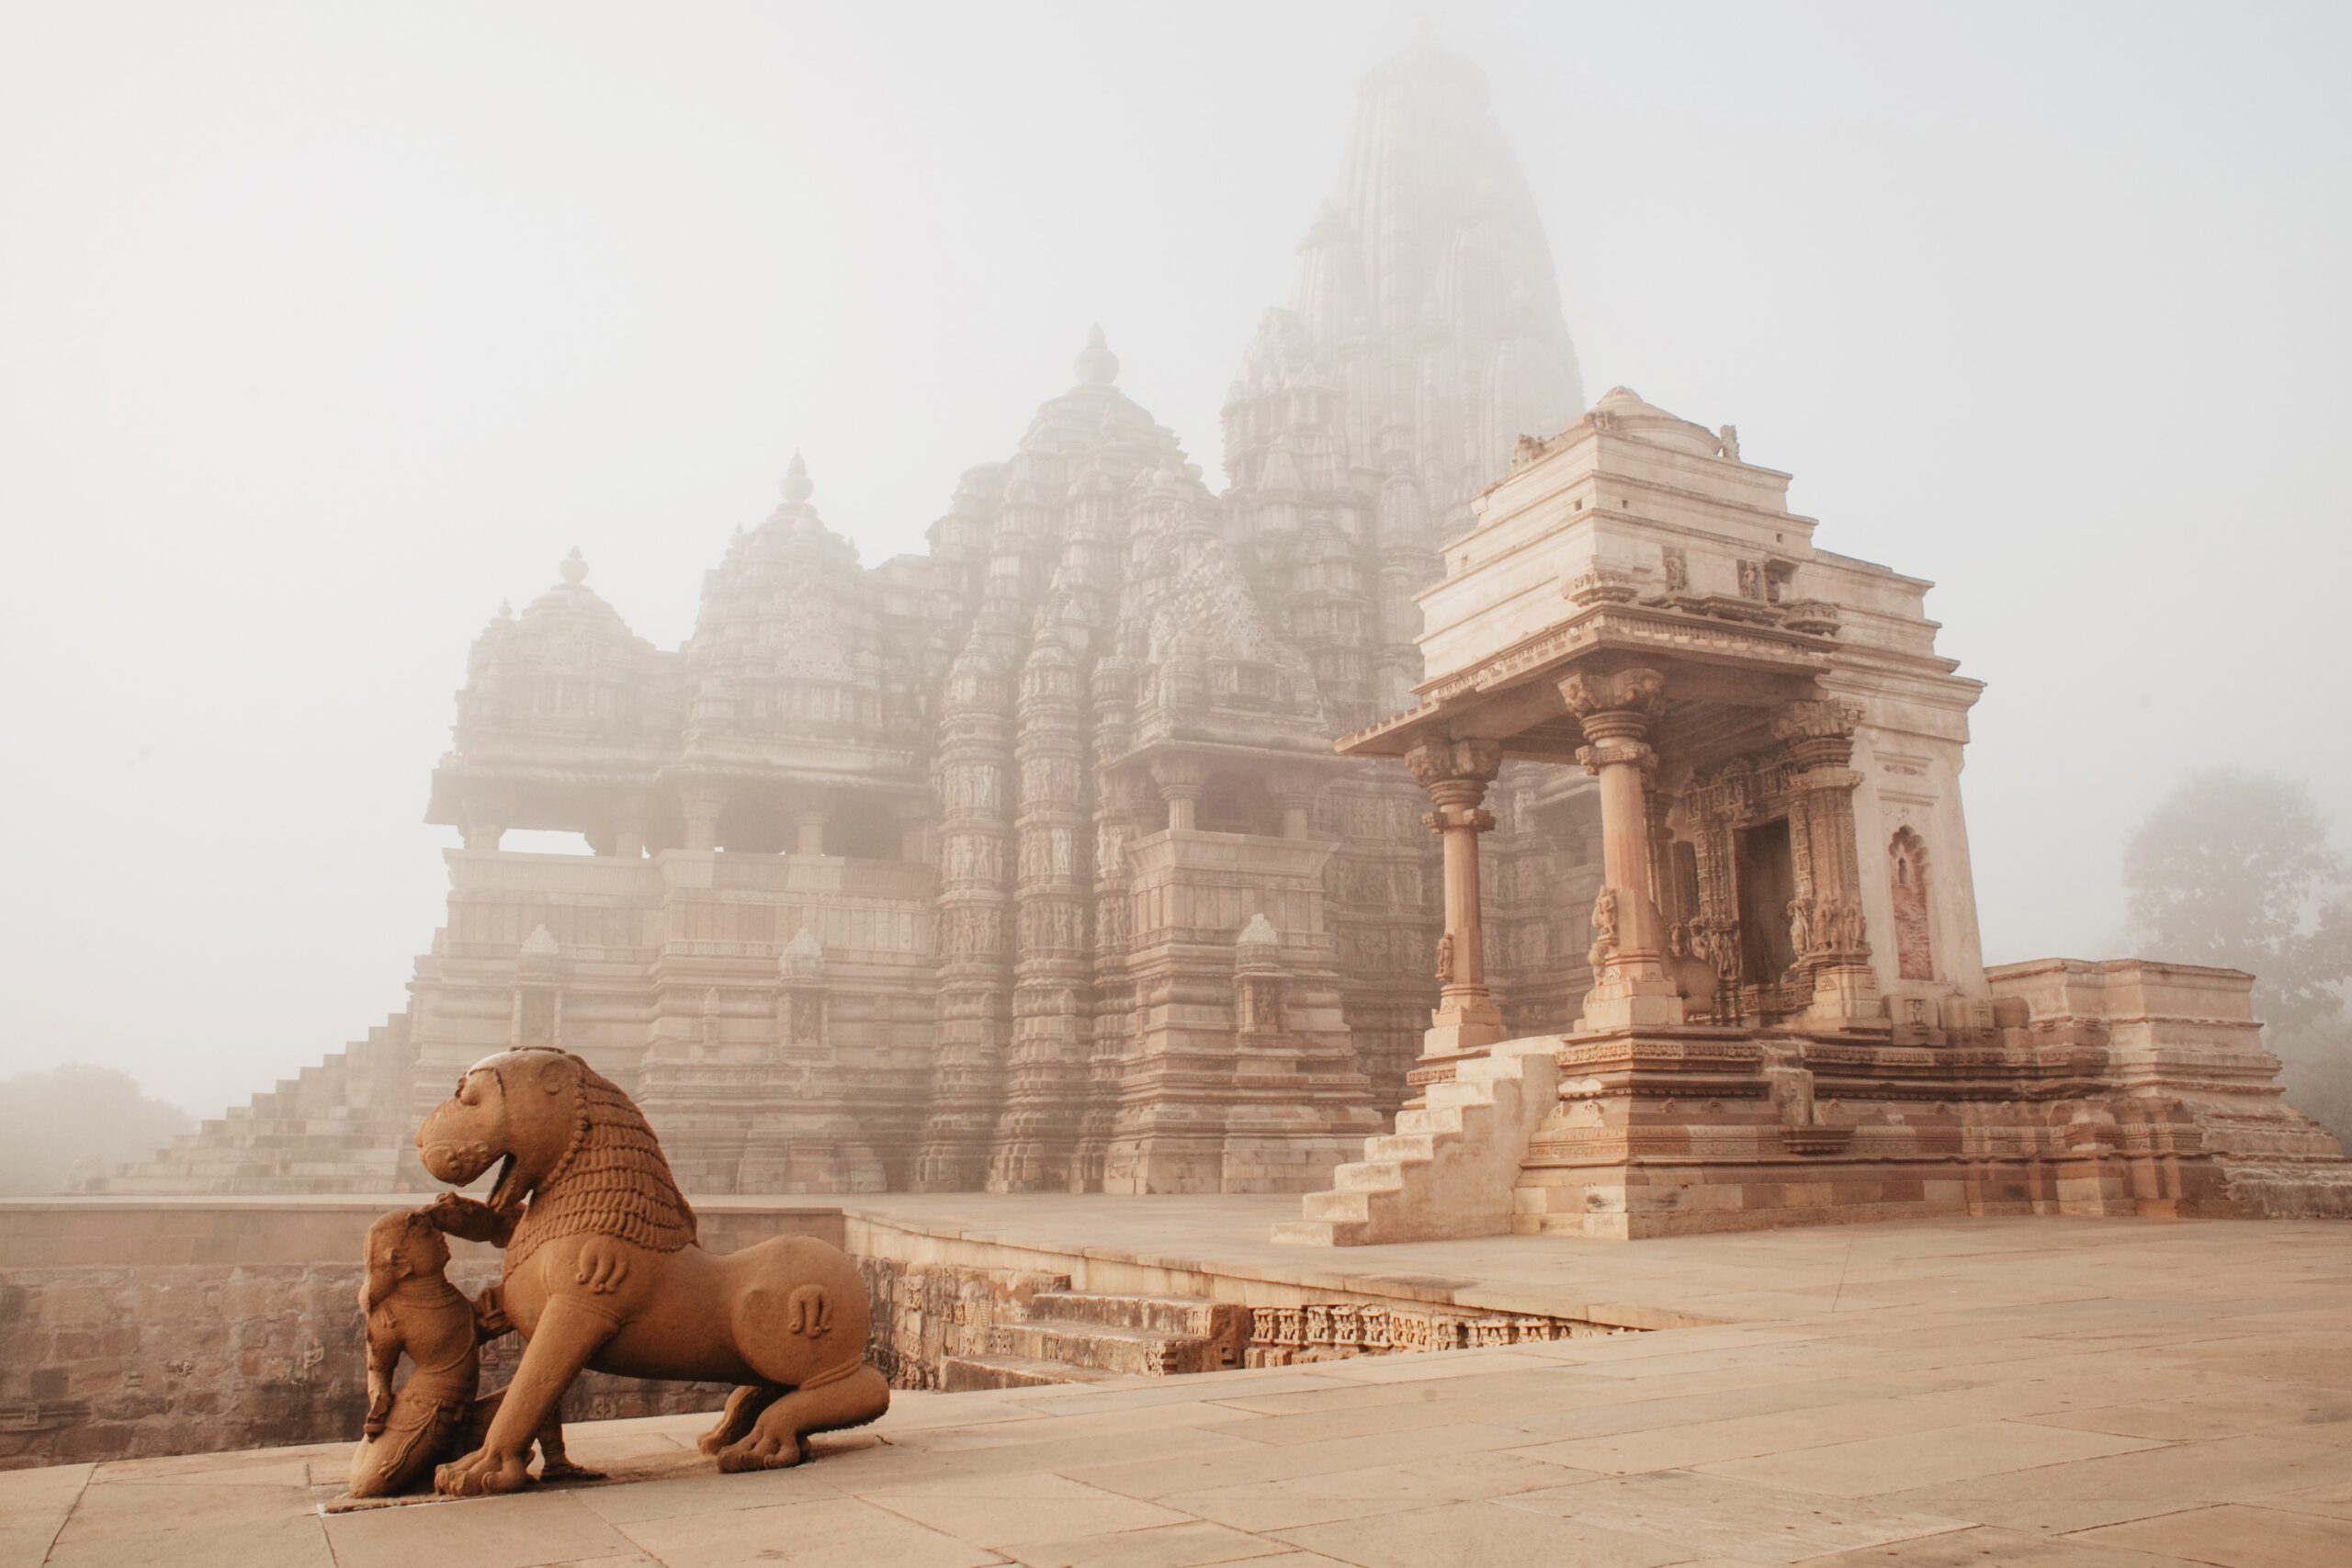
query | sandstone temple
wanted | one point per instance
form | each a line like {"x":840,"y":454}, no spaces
{"x":1522,"y":765}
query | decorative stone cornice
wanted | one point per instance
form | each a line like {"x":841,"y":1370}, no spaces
{"x":1811,"y":617}
{"x":1601,"y":585}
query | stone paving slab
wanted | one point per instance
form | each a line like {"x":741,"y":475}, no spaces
{"x":2110,"y":1394}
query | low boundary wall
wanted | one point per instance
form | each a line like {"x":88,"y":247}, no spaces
{"x":132,"y":1326}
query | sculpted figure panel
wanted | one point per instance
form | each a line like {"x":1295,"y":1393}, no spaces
{"x":604,"y":1269}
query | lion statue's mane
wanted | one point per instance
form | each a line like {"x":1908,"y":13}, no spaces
{"x":611,"y":1180}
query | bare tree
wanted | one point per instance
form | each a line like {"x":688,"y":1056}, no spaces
{"x":75,"y":1115}
{"x":2235,"y":869}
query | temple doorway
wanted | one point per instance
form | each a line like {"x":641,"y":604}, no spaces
{"x":1767,"y":885}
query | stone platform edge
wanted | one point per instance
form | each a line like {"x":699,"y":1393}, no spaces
{"x":260,"y":1230}
{"x":1116,"y":1270}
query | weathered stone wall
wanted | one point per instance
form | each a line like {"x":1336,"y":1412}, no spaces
{"x":925,"y":1314}
{"x":159,"y":1328}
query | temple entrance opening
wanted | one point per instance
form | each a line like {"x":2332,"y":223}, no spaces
{"x":1767,"y":885}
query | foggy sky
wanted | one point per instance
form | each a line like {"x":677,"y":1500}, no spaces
{"x":323,"y":328}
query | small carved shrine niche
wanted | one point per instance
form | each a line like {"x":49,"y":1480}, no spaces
{"x":1907,"y":876}
{"x":1258,"y":977}
{"x":800,"y":1007}
{"x":538,"y":994}
{"x":535,"y":1015}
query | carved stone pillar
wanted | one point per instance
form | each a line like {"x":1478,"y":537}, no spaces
{"x":1180,"y":782}
{"x":809,"y":830}
{"x":913,"y":816}
{"x":1293,"y":790}
{"x":629,"y":828}
{"x":1631,"y":988}
{"x":1817,"y":739}
{"x":700,"y":804}
{"x":485,"y":819}
{"x":1456,"y":774}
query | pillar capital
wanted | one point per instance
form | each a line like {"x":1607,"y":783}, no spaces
{"x":1179,"y":778}
{"x":1818,"y":735}
{"x":1450,"y":819}
{"x":1455,"y":773}
{"x":1591,"y":694}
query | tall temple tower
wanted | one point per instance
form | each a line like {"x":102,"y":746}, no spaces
{"x":1027,"y":862}
{"x":1424,"y":336}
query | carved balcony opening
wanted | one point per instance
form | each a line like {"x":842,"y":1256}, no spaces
{"x":1237,"y":803}
{"x":863,"y":827}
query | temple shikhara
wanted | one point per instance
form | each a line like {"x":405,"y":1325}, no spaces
{"x":1486,"y":813}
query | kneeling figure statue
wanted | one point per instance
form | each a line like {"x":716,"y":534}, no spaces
{"x":603,"y":1271}
{"x":410,"y":1308}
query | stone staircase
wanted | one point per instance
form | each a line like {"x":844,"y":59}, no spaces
{"x":1449,"y":1167}
{"x":1075,"y":1337}
{"x":341,"y":1124}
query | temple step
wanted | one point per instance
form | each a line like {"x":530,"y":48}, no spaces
{"x":1190,"y":1316}
{"x":1337,"y":1205}
{"x":1147,"y":1352}
{"x":1449,"y":1167}
{"x":340,"y":1124}
{"x":1401,"y":1146}
{"x":1370,"y":1175}
{"x":959,"y":1374}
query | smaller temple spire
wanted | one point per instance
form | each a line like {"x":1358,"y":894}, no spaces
{"x":796,"y":487}
{"x":1096,"y":365}
{"x":574,"y":568}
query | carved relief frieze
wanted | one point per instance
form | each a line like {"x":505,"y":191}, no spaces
{"x":1907,"y":877}
{"x":1320,"y":1331}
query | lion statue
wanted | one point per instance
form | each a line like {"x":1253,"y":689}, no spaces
{"x":603,"y":1271}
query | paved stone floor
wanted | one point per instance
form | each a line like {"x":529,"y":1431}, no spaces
{"x":2099,"y":1393}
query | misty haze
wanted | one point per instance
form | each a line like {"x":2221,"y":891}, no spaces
{"x":325,"y":338}
{"x":1554,"y":783}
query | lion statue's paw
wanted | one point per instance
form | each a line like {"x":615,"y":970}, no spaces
{"x":481,"y":1474}
{"x":763,"y":1450}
